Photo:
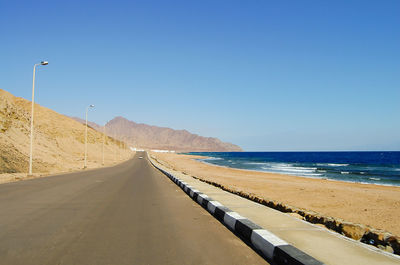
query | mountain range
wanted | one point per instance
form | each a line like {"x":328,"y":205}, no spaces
{"x":162,"y":138}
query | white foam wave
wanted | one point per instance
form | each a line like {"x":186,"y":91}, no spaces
{"x":291,"y":172}
{"x":316,"y":174}
{"x":290,"y":168}
{"x":212,"y":158}
{"x":332,"y":164}
{"x":374,"y":178}
{"x":305,"y":170}
{"x":344,"y":172}
{"x":256,"y":163}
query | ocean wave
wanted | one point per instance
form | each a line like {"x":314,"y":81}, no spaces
{"x":305,"y":170}
{"x":292,"y":172}
{"x":212,"y":158}
{"x":315,"y":174}
{"x":290,"y":167}
{"x":332,"y":164}
{"x":344,"y":172}
{"x":256,"y":163}
{"x":375,"y":178}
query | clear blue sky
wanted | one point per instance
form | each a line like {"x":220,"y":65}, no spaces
{"x":267,"y":75}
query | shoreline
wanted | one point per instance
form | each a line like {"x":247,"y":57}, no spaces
{"x":375,"y":207}
{"x":290,"y":175}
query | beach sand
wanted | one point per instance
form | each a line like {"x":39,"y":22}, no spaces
{"x":373,"y":205}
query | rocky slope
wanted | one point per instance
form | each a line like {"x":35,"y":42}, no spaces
{"x":58,"y":140}
{"x":154,"y":137}
{"x":90,"y":124}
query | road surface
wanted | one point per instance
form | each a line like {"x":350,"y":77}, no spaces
{"x":127,"y":214}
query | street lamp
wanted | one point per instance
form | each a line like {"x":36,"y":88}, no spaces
{"x":33,"y":104}
{"x":87,"y":108}
{"x":104,"y":139}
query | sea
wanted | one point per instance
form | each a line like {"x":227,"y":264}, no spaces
{"x":382,"y":168}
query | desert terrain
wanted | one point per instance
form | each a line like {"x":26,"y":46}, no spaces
{"x":58,"y":142}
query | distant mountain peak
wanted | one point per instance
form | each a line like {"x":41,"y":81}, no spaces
{"x":155,"y":137}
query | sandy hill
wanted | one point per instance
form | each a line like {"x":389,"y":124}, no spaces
{"x":58,"y":140}
{"x":154,"y":137}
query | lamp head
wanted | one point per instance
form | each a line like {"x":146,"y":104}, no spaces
{"x":91,"y":106}
{"x":44,"y":62}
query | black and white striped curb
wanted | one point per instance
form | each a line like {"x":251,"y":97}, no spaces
{"x":269,"y":245}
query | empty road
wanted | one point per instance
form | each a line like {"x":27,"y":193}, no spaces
{"x":127,"y":214}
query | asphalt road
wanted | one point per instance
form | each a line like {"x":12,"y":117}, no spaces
{"x":127,"y":214}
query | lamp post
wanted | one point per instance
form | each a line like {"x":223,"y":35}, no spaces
{"x":33,"y":104}
{"x":87,"y":108}
{"x":104,"y":139}
{"x":116,"y":149}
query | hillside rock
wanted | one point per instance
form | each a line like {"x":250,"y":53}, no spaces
{"x":154,"y":137}
{"x":58,"y":140}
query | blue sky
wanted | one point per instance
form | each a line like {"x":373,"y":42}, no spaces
{"x":267,"y":75}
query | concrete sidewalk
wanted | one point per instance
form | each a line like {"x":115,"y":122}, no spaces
{"x":324,"y":245}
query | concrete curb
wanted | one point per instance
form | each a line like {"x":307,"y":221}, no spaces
{"x":269,"y":245}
